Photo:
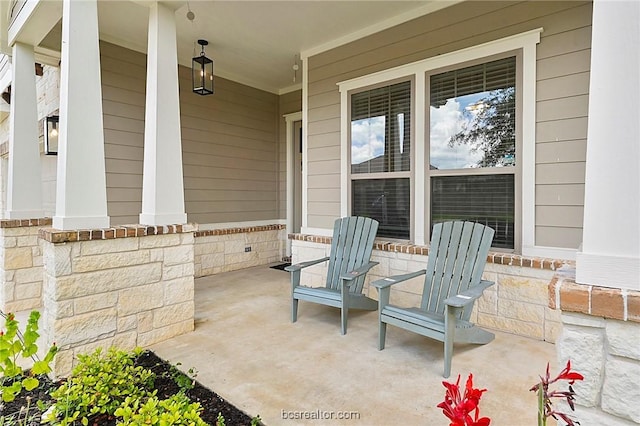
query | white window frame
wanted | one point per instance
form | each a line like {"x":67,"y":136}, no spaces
{"x":407,"y":174}
{"x":526,"y":43}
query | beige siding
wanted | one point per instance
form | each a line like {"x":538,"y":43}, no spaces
{"x":229,"y":144}
{"x":123,"y":89}
{"x":562,"y":98}
{"x":230,"y":152}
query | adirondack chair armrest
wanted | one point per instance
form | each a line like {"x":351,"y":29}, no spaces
{"x":389,"y":281}
{"x":468,"y":296}
{"x":299,"y":266}
{"x":350,"y":276}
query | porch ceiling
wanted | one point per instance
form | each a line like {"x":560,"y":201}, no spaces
{"x":255,"y":42}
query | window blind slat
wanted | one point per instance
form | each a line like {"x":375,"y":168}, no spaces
{"x":492,"y":75}
{"x":487,"y":199}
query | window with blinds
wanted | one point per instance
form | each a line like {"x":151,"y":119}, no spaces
{"x":472,"y":146}
{"x":472,"y":116}
{"x":385,"y":200}
{"x":381,"y":157}
{"x":486,"y":199}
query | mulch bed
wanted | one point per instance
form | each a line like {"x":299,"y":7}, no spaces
{"x":211,"y":402}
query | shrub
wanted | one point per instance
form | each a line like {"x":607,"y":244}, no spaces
{"x":176,"y":410}
{"x":100,"y":384}
{"x":14,"y":345}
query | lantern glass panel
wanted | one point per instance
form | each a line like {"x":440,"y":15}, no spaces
{"x":202,"y":75}
{"x":51,"y":127}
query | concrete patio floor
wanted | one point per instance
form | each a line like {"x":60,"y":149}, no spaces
{"x":246,"y":349}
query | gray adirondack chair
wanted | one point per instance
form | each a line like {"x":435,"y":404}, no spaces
{"x":453,"y":281}
{"x":349,"y":262}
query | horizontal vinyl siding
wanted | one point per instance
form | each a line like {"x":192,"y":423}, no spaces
{"x":230,"y":152}
{"x":123,"y":103}
{"x":562,"y":97}
{"x":228,"y":144}
{"x":564,"y":56}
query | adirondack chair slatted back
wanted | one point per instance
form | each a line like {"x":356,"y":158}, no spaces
{"x":351,"y":248}
{"x":457,"y":256}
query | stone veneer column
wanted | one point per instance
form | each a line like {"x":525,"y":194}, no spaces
{"x":81,"y":193}
{"x":610,"y":255}
{"x":21,"y":264}
{"x":125,"y":286}
{"x":601,"y":337}
{"x":162,"y":181}
{"x":24,"y":181}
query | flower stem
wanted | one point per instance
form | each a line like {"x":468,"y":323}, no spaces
{"x":542,"y":419}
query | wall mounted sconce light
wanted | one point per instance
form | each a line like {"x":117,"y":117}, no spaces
{"x":51,"y":135}
{"x":202,"y":72}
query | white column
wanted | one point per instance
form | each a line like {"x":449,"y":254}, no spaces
{"x":610,"y":254}
{"x":162,"y":183}
{"x":24,"y":177}
{"x":81,"y":193}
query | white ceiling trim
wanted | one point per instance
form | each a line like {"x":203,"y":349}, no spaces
{"x":380,"y":26}
{"x":217,"y":72}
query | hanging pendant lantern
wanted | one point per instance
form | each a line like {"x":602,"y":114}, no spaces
{"x":202,"y":72}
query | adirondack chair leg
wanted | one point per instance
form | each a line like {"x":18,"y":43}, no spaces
{"x":344,"y":312}
{"x":294,"y":310}
{"x":450,"y":329}
{"x":382,"y":335}
{"x":344,"y":315}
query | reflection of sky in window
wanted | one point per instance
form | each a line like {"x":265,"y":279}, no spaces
{"x":367,"y":139}
{"x":448,"y":120}
{"x":400,"y":118}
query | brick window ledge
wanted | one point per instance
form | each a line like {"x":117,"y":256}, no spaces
{"x":614,"y":303}
{"x":493,"y":257}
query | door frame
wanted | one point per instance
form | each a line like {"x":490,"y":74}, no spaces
{"x":290,"y":119}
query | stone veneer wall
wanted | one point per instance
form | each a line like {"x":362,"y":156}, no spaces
{"x":21,"y":264}
{"x":601,"y":337}
{"x":222,"y":250}
{"x":126,"y":286}
{"x":517,"y":303}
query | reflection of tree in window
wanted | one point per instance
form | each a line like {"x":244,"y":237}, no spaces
{"x":472,"y":144}
{"x":490,"y":128}
{"x":473,"y":115}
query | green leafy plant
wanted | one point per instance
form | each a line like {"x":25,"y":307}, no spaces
{"x":176,"y":410}
{"x":100,"y":384}
{"x":220,"y":420}
{"x":185,"y":381}
{"x":15,"y":345}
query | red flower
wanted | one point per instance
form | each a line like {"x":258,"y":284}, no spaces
{"x":460,"y":409}
{"x":567,"y":374}
{"x":546,"y":405}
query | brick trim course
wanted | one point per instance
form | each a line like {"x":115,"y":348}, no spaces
{"x":613,"y":303}
{"x":493,"y":257}
{"x":229,"y":231}
{"x":19,"y":223}
{"x":125,"y":231}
